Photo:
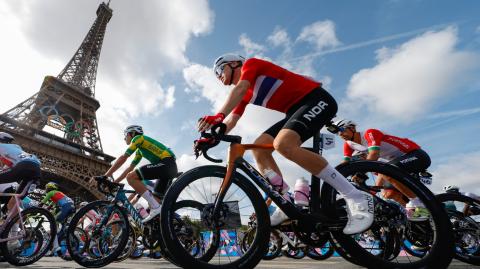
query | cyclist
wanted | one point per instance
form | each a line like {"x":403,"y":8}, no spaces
{"x":308,"y":107}
{"x":467,"y":210}
{"x":64,"y":205}
{"x":18,"y":165}
{"x":162,"y":167}
{"x":401,"y":152}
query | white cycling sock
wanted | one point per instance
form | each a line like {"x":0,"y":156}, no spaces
{"x":339,"y":182}
{"x":147,"y":195}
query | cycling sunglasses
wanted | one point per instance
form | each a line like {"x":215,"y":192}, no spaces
{"x":335,"y":129}
{"x":219,"y":70}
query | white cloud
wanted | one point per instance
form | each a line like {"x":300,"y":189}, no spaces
{"x":279,"y":37}
{"x":321,"y":34}
{"x":460,"y":170}
{"x":201,"y":80}
{"x":408,"y":80}
{"x":251,"y":48}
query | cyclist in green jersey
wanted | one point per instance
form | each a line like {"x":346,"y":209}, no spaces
{"x":162,"y":167}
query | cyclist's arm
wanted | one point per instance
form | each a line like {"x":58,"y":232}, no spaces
{"x":231,"y":122}
{"x":117,"y":164}
{"x":125,"y":173}
{"x":373,"y":155}
{"x":47,"y":197}
{"x":235,"y":97}
{"x":374,"y":139}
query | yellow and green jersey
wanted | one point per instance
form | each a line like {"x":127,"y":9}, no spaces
{"x":148,"y":148}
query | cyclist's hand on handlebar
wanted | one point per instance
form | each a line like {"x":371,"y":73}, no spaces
{"x":208,"y":121}
{"x":200,"y":144}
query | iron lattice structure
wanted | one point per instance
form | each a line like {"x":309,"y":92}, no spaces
{"x":59,"y":124}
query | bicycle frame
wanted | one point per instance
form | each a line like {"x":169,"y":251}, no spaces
{"x":15,"y":210}
{"x":122,"y":198}
{"x":235,"y":160}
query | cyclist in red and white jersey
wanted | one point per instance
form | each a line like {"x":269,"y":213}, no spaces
{"x":396,"y":150}
{"x":307,"y":106}
{"x":378,"y":145}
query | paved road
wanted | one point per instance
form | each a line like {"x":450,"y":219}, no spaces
{"x":145,"y":263}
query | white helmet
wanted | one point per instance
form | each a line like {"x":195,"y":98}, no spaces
{"x":451,"y":188}
{"x":6,"y":137}
{"x":224,"y":59}
{"x":133,"y":128}
{"x":340,"y":125}
{"x":344,"y":123}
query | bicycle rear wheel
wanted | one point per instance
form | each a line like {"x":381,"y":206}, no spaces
{"x":219,"y":235}
{"x":438,"y":242}
{"x":40,"y":230}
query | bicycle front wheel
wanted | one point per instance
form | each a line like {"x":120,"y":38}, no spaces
{"x":218,"y":234}
{"x":37,"y":235}
{"x":96,"y":243}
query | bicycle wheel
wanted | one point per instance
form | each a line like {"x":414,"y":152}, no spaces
{"x":321,"y":253}
{"x":241,"y":200}
{"x":130,"y":246}
{"x":466,"y":228}
{"x":63,"y":252}
{"x":438,"y":242}
{"x":274,"y":246}
{"x":102,"y":242}
{"x":37,"y":236}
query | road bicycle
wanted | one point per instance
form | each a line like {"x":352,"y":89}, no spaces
{"x":106,"y":240}
{"x":26,"y":235}
{"x":240,"y":183}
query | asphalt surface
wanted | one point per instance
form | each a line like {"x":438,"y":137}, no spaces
{"x":147,"y":263}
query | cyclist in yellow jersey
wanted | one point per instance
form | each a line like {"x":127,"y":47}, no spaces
{"x":162,"y":166}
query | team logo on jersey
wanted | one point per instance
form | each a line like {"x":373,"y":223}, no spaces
{"x":314,"y":111}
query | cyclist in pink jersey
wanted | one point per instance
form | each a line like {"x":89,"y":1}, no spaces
{"x":307,"y":108}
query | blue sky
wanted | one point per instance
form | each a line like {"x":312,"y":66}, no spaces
{"x":409,"y":68}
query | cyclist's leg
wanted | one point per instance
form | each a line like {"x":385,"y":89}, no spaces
{"x":166,"y":173}
{"x":412,"y":162}
{"x":263,"y":157}
{"x":308,"y":116}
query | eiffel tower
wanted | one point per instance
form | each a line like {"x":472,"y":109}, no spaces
{"x":58,"y":123}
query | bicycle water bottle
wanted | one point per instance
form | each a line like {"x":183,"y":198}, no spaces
{"x":302,"y":192}
{"x":142,"y":211}
{"x":277,"y":181}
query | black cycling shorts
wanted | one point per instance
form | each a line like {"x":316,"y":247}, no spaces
{"x":414,"y":162}
{"x":163,"y":171}
{"x":308,"y":115}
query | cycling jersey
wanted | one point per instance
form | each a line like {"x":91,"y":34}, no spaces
{"x":57,"y":197}
{"x":12,"y":154}
{"x":390,"y":146}
{"x":148,"y":148}
{"x":272,"y":86}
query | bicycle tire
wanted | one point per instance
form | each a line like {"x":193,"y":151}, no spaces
{"x":253,"y":255}
{"x":100,"y":262}
{"x":276,"y":241}
{"x":441,"y":250}
{"x":312,"y":253}
{"x":20,"y":261}
{"x":444,"y":197}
